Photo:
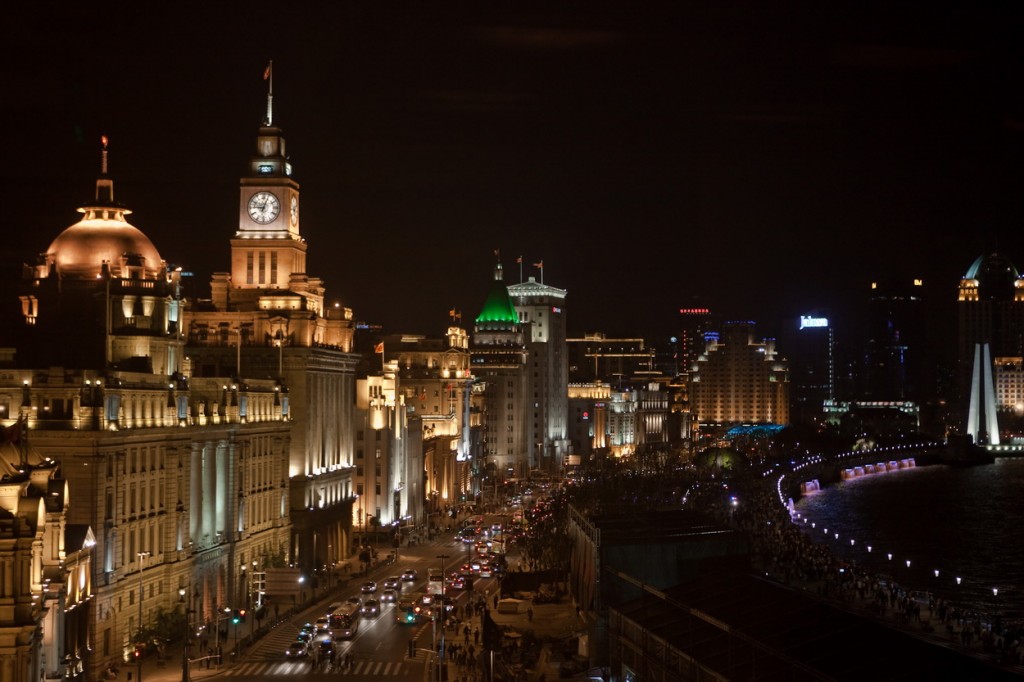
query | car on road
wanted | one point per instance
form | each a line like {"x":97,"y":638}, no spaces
{"x":393,"y":582}
{"x":409,"y":575}
{"x":296,"y":650}
{"x":371,"y":607}
{"x":369,"y":587}
{"x":389,"y":596}
{"x":355,"y":600}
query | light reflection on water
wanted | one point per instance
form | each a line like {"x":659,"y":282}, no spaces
{"x":963,"y":521}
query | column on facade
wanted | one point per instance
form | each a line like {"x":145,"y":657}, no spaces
{"x":224,"y":452}
{"x":209,"y":492}
{"x":195,"y":502}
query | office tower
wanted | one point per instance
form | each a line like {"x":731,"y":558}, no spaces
{"x":694,"y":322}
{"x":498,"y":358}
{"x":808,"y":344}
{"x":738,"y":380}
{"x":898,"y":360}
{"x":541,"y":311}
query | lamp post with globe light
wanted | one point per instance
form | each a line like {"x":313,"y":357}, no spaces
{"x":188,"y":611}
{"x":138,"y":644}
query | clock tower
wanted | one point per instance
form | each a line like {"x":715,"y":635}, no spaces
{"x":267,"y":249}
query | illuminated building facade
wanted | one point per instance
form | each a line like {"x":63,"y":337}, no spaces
{"x":267,"y":317}
{"x":433,"y":462}
{"x":541,"y":311}
{"x":499,"y":363}
{"x":174,"y":477}
{"x":739,"y":380}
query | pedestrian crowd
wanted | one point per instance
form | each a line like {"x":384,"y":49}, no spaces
{"x":789,"y":556}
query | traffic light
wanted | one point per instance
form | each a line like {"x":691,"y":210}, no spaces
{"x":138,"y":650}
{"x":237,"y":616}
{"x":241,"y":615}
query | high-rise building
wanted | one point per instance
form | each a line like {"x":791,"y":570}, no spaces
{"x":738,"y":380}
{"x":808,"y":344}
{"x":499,"y":359}
{"x":990,"y":309}
{"x":897,"y":361}
{"x":541,"y":311}
{"x":267,"y":317}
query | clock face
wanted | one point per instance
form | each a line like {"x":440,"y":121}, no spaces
{"x":264,"y":207}
{"x":295,"y":210}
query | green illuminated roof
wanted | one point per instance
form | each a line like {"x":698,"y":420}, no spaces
{"x":498,"y":306}
{"x":498,"y":309}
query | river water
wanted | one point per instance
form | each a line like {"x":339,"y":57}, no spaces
{"x":965,"y":522}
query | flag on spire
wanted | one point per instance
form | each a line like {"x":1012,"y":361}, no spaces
{"x":519,"y":260}
{"x":379,"y":348}
{"x":266,"y":71}
{"x":539,"y":265}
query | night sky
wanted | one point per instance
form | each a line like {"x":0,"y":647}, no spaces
{"x":765,"y":159}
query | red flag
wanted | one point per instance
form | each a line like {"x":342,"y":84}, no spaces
{"x":266,"y":71}
{"x":539,"y":265}
{"x":519,"y":260}
{"x":379,"y":348}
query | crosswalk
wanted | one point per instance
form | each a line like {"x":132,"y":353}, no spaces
{"x":303,"y":667}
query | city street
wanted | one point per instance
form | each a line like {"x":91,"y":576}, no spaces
{"x":380,"y":646}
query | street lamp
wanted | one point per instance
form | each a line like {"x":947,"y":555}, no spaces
{"x":138,"y":654}
{"x":184,"y":651}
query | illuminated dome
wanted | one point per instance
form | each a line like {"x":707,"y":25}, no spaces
{"x":995,"y":277}
{"x":104,"y":235}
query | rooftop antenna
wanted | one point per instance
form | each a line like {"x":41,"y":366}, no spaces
{"x":268,"y":75}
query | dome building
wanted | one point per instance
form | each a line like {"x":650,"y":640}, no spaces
{"x":178,"y":481}
{"x":104,"y":278}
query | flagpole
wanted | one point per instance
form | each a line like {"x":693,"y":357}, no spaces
{"x":520,"y":269}
{"x":268,"y":76}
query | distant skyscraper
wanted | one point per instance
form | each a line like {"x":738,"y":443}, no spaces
{"x":808,"y":343}
{"x":990,"y":309}
{"x":739,"y":380}
{"x":895,"y":361}
{"x":694,"y":323}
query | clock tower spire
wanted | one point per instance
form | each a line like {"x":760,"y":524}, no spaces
{"x":267,"y":250}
